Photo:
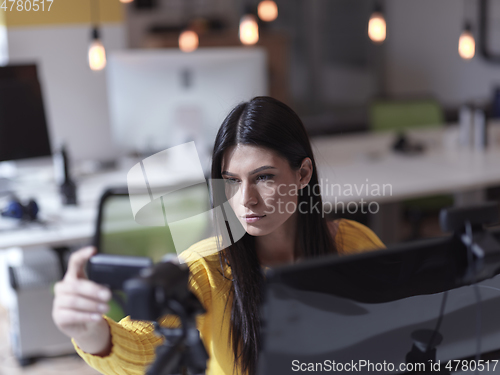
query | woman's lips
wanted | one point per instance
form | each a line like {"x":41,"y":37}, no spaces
{"x":253,"y":219}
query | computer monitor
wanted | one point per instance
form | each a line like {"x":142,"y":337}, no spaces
{"x":380,"y":310}
{"x":162,"y":98}
{"x":23,"y":125}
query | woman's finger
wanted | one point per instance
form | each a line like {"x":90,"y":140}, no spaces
{"x":83,"y":288}
{"x":77,"y":261}
{"x":66,"y":317}
{"x":81,"y":304}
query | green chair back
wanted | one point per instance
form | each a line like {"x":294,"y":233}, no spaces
{"x":398,"y":115}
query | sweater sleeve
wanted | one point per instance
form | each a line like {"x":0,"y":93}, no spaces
{"x":354,"y":237}
{"x":133,"y":348}
{"x":134,"y":342}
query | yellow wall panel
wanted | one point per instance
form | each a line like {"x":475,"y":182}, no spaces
{"x":61,"y":12}
{"x":2,"y":18}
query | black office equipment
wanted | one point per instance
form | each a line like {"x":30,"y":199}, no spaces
{"x":67,"y":187}
{"x":114,"y":270}
{"x":162,"y":290}
{"x":417,"y":300}
{"x":404,"y":145}
{"x":152,"y":292}
{"x":23,"y":126}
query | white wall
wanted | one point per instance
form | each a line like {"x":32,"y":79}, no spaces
{"x":422,"y":53}
{"x":346,"y":85}
{"x":75,"y":97}
{"x":4,"y":53}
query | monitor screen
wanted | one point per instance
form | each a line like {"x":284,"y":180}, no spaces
{"x":162,"y":98}
{"x":23,"y":126}
{"x":373,"y":310}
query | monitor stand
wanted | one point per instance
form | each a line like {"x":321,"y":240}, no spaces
{"x":5,"y":186}
{"x":8,"y":171}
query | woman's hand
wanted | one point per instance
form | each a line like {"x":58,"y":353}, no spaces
{"x":79,"y":304}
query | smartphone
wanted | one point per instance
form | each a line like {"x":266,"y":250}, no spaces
{"x":113,"y":270}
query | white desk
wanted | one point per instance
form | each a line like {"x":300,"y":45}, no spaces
{"x":66,"y":225}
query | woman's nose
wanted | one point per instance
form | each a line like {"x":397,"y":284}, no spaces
{"x":248,"y":195}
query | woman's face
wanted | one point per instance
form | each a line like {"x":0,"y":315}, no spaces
{"x":261,"y":187}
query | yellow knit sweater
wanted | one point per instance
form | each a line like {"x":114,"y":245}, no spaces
{"x":134,"y":342}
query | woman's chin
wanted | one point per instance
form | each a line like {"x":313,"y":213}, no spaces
{"x":255,"y":231}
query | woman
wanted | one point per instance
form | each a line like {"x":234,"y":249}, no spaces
{"x":263,"y":154}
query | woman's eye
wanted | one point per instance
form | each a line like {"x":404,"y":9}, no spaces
{"x":230,"y":181}
{"x":265,"y":177}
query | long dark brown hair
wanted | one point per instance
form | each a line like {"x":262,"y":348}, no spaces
{"x":269,"y":123}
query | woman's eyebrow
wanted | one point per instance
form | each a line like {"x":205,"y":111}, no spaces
{"x":252,"y":172}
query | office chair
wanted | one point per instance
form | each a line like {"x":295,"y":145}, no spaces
{"x":390,"y":115}
{"x":116,"y":231}
{"x":400,"y":115}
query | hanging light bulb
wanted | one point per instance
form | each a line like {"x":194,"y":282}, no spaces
{"x":97,"y":53}
{"x":267,"y":10}
{"x":249,"y":29}
{"x":377,"y":27}
{"x":126,"y":1}
{"x":188,"y":41}
{"x":466,"y":43}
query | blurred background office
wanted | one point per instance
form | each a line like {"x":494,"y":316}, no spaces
{"x":403,"y":93}
{"x":321,"y":59}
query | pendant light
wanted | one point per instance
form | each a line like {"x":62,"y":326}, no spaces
{"x":267,"y":10}
{"x":377,"y":28}
{"x":97,"y":53}
{"x":249,"y":29}
{"x":188,"y":41}
{"x":126,"y":1}
{"x":466,"y":42}
{"x":188,"y":38}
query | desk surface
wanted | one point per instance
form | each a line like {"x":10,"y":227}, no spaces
{"x":355,"y":160}
{"x":66,"y":225}
{"x":361,"y":160}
